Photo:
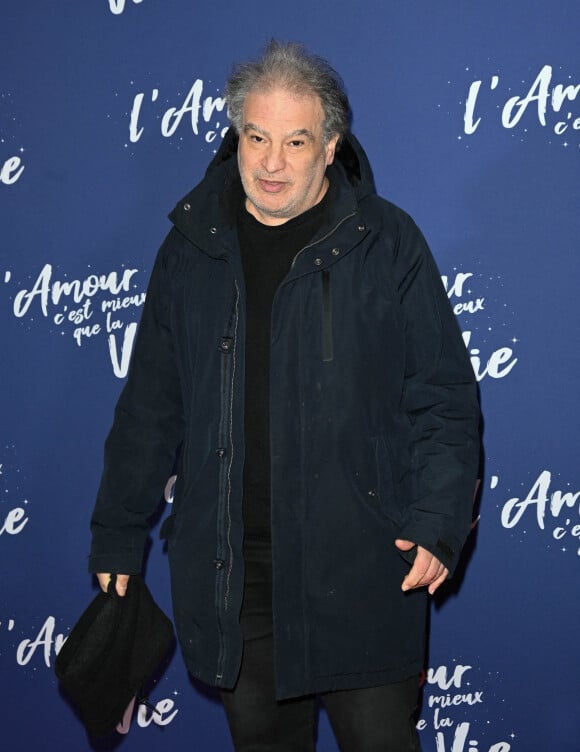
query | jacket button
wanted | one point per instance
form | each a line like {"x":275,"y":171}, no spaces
{"x":335,"y":251}
{"x":221,"y":453}
{"x":318,"y":261}
{"x":219,"y":563}
{"x":361,"y":228}
{"x":187,"y":207}
{"x":226,"y":344}
{"x":213,"y":230}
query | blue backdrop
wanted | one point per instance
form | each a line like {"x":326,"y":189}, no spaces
{"x":470,"y":113}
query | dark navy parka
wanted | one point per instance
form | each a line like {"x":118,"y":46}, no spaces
{"x":374,"y":436}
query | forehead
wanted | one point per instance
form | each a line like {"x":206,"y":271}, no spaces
{"x":282,"y":110}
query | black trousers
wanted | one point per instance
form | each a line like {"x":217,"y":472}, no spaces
{"x":375,"y":719}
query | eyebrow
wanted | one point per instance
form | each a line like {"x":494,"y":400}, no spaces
{"x":298,"y":132}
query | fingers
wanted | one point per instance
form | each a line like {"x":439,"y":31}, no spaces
{"x":103,"y":578}
{"x":122,"y":581}
{"x":439,"y":581}
{"x":427,"y":570}
{"x":404,"y":545}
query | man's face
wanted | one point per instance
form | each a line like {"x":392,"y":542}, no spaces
{"x":281,"y":154}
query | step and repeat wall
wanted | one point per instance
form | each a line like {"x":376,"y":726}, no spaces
{"x":470,"y":113}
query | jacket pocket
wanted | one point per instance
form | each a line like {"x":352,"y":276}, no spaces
{"x":326,"y":333}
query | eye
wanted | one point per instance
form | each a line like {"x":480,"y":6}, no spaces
{"x":296,"y":143}
{"x":255,"y":138}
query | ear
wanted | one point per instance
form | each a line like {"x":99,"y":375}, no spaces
{"x":331,"y":149}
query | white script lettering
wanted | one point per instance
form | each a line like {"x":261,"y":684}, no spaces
{"x":161,"y":714}
{"x":118,"y":6}
{"x":11,"y":170}
{"x":541,"y":97}
{"x":460,"y":742}
{"x":195,"y":105}
{"x":498,"y":365}
{"x":14,"y":522}
{"x":540,"y":501}
{"x":439,"y":676}
{"x":45,"y":639}
{"x":121,"y":366}
{"x":47,"y":290}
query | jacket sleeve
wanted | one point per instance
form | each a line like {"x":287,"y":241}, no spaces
{"x":441,"y":402}
{"x":141,"y":446}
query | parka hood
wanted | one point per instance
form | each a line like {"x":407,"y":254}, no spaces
{"x":220,"y":189}
{"x":350,"y":158}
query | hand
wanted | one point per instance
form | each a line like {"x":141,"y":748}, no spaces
{"x":426,"y":569}
{"x":122,"y":581}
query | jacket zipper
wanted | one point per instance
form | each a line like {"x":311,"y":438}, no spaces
{"x":224,"y":568}
{"x":324,"y":237}
{"x":327,"y":348}
{"x":327,"y":344}
{"x":326,"y":334}
{"x":231,"y":445}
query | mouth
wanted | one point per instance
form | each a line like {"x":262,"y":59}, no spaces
{"x":271,"y":186}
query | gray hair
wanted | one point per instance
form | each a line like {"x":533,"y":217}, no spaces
{"x":288,"y":65}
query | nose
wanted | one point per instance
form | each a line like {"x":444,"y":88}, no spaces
{"x":273,"y":159}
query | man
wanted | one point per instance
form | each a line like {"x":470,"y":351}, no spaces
{"x":298,"y":350}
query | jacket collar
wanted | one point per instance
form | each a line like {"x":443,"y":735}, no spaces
{"x":206,"y":215}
